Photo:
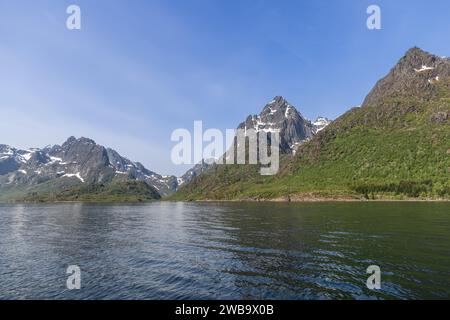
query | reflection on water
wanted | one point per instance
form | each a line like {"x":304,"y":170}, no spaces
{"x":225,"y":251}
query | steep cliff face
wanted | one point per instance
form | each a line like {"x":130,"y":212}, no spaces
{"x":280,"y":115}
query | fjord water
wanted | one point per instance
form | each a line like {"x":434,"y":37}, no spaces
{"x":167,"y":250}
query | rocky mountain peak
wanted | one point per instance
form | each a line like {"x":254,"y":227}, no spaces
{"x":69,"y":141}
{"x":416,"y":74}
{"x":277,"y":103}
{"x":415,"y":52}
{"x":73,"y":141}
{"x":279,"y":108}
{"x":280,"y":115}
{"x":417,"y":60}
{"x":76,"y":161}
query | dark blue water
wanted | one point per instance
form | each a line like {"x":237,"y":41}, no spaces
{"x":225,"y":251}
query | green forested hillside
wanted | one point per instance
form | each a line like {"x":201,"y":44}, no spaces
{"x":118,"y":191}
{"x":396,"y":146}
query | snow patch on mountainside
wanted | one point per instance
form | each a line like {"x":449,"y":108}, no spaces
{"x":281,"y":116}
{"x":82,"y":159}
{"x":320,"y":124}
{"x":423,"y":68}
{"x":76,"y":175}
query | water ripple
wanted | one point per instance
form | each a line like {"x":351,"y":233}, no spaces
{"x":225,"y":251}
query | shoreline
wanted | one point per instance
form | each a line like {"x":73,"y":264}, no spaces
{"x":308,"y":199}
{"x":311,"y":200}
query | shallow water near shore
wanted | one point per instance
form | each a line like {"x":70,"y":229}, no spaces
{"x":176,"y":250}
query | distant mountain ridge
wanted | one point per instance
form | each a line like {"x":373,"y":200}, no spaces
{"x":76,"y":163}
{"x":80,"y":165}
{"x":396,"y":145}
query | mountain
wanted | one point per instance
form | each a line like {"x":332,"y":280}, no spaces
{"x":74,"y":170}
{"x":194,"y":172}
{"x":280,"y":115}
{"x":395,"y":146}
{"x":320,"y":124}
{"x":417,"y":75}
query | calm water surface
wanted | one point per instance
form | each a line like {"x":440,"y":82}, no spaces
{"x":225,"y":251}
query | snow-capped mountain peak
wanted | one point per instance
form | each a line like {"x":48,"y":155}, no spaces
{"x":81,"y":160}
{"x":280,"y":115}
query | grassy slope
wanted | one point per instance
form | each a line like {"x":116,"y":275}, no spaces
{"x":116,"y":191}
{"x":390,"y":151}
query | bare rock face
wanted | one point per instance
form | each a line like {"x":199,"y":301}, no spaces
{"x":9,"y":161}
{"x":414,"y":76}
{"x":440,"y":117}
{"x":280,"y":115}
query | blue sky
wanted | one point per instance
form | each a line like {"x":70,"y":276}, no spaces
{"x":139,"y":69}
